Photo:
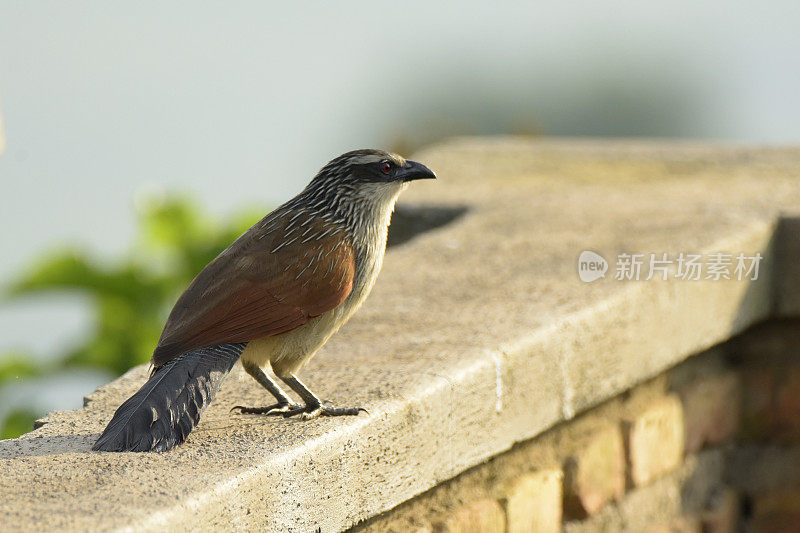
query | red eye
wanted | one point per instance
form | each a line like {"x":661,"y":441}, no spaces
{"x":386,"y":167}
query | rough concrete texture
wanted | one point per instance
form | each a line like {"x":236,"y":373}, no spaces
{"x":478,"y":334}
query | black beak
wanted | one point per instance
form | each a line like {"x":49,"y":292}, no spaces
{"x":415,"y":171}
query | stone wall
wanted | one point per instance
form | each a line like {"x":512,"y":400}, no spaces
{"x":712,"y":445}
{"x":480,"y":335}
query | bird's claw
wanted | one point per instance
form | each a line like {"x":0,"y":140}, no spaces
{"x":306,"y":412}
{"x":275,"y":409}
{"x":309,"y":413}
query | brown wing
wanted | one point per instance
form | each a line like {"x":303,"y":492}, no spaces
{"x":283,"y":271}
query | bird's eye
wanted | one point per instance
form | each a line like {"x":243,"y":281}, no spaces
{"x":386,"y":167}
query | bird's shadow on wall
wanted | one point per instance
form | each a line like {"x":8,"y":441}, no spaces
{"x":409,"y":221}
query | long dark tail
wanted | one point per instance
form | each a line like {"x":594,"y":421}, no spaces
{"x":165,"y":410}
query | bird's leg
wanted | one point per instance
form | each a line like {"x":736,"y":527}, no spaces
{"x":284,"y":402}
{"x":313,"y":406}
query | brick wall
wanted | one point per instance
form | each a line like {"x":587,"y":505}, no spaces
{"x":712,"y":445}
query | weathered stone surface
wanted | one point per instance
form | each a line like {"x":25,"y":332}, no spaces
{"x":533,"y":503}
{"x":479,"y":334}
{"x":655,"y":440}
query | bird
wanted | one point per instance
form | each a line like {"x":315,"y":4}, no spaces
{"x":271,"y":299}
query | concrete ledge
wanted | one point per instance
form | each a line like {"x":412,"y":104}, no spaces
{"x":478,"y":334}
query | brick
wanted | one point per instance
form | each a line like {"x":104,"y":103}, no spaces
{"x":756,"y":470}
{"x":481,"y":516}
{"x":679,"y":524}
{"x":711,"y":411}
{"x":533,"y":502}
{"x":777,"y":511}
{"x":655,"y":440}
{"x":723,"y":517}
{"x":772,"y":402}
{"x":595,"y":473}
{"x":757,"y":409}
{"x":787,"y":405}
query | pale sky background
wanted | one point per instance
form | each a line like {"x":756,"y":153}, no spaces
{"x":240,"y":103}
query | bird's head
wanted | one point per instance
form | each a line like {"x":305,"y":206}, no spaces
{"x":368,"y":178}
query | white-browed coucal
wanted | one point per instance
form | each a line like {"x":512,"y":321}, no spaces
{"x":274,"y":296}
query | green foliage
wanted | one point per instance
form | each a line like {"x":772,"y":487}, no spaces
{"x":17,"y":423}
{"x":130,"y":298}
{"x":15,"y":366}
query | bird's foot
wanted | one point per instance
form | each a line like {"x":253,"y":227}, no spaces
{"x":309,"y":412}
{"x":275,"y":409}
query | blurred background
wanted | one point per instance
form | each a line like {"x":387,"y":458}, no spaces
{"x":140,"y":140}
